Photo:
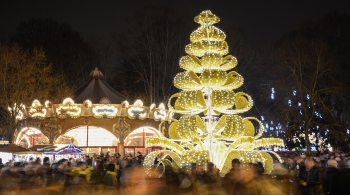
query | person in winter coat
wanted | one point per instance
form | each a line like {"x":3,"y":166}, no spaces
{"x":46,"y":171}
{"x":139,"y":157}
{"x":301,"y":177}
{"x":110,"y":178}
{"x":60,"y":178}
{"x":314,"y":179}
{"x":232,"y":177}
{"x":344,"y":181}
{"x":331,"y":178}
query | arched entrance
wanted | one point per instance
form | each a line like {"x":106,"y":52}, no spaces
{"x":91,"y":139}
{"x":135,"y":141}
{"x":31,"y":136}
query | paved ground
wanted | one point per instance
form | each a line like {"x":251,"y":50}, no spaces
{"x":135,"y":182}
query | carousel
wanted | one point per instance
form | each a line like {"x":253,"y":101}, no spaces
{"x":97,"y":119}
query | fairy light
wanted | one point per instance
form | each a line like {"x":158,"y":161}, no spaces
{"x":208,"y":90}
{"x":160,"y":113}
{"x":20,"y":110}
{"x":68,"y":109}
{"x":137,"y":110}
{"x":37,"y":109}
{"x":104,"y":111}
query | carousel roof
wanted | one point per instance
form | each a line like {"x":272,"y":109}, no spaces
{"x":96,"y":89}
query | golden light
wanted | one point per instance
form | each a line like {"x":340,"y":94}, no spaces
{"x":101,"y":136}
{"x":68,"y":109}
{"x":125,"y":104}
{"x":210,"y":128}
{"x":104,"y":111}
{"x":153,"y":106}
{"x":160,"y":113}
{"x":19,"y":109}
{"x":37,"y":109}
{"x":87,"y":103}
{"x":48,"y":104}
{"x":137,"y":110}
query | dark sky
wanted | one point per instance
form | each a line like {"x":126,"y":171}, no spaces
{"x":264,"y":20}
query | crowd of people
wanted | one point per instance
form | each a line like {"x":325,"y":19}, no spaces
{"x":88,"y":175}
{"x":298,"y":174}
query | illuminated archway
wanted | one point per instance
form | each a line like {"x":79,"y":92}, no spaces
{"x":88,"y":136}
{"x":31,"y":136}
{"x":135,"y":141}
{"x":140,"y":135}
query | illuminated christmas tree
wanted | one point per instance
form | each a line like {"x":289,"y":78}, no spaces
{"x":210,"y":127}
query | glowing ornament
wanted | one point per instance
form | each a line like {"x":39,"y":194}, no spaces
{"x":220,"y":135}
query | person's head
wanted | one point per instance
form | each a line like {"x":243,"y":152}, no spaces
{"x":332,"y":163}
{"x":110,"y":167}
{"x":199,"y":170}
{"x":348,"y":163}
{"x":235,"y":164}
{"x":89,"y":162}
{"x":46,"y":160}
{"x":309,"y":163}
{"x":81,"y":165}
{"x":62,"y":163}
{"x":37,"y":160}
{"x":210,"y":166}
{"x":338,"y":158}
{"x":303,"y":156}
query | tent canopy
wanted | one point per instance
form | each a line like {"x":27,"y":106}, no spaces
{"x":15,"y":149}
{"x":43,"y":148}
{"x":69,"y":149}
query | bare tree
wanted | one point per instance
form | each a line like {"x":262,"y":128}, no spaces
{"x":306,"y":70}
{"x":25,"y":76}
{"x":310,"y":79}
{"x":150,"y":49}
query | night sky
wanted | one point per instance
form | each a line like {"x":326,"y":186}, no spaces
{"x":263,"y":20}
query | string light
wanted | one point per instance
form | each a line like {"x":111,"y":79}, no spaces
{"x":68,"y":109}
{"x":37,"y":110}
{"x":208,"y":85}
{"x":104,"y":111}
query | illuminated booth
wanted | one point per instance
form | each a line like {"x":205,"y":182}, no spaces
{"x":96,"y":118}
{"x":69,"y":151}
{"x":15,"y":152}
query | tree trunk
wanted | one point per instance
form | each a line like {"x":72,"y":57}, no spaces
{"x":307,"y":141}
